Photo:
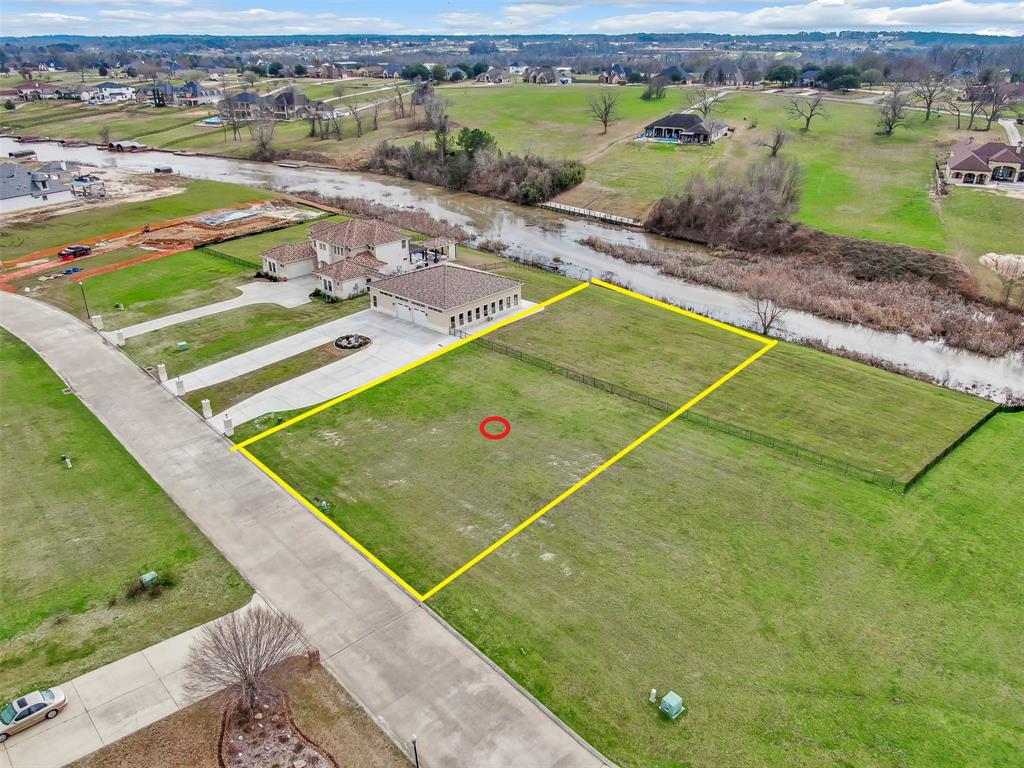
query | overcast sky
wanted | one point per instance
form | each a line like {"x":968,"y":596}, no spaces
{"x":115,"y":17}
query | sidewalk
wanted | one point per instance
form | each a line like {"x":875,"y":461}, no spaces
{"x":408,"y":669}
{"x":107,"y":704}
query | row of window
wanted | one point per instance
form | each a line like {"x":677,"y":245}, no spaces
{"x":474,"y":314}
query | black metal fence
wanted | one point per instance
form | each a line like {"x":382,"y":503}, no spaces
{"x":841,"y":466}
{"x":228,"y":257}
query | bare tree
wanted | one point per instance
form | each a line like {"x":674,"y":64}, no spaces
{"x":435,"y":111}
{"x":236,"y":651}
{"x":261,"y":128}
{"x":399,"y":102}
{"x":352,"y":107}
{"x":704,"y":100}
{"x":375,"y":113}
{"x":930,"y":88}
{"x":976,"y":95}
{"x":767,"y":312}
{"x":774,"y":142}
{"x":951,"y":103}
{"x":655,"y":89}
{"x":104,"y":134}
{"x":806,"y":109}
{"x":604,"y":108}
{"x":996,"y":101}
{"x":1009,"y":268}
{"x":892,"y":109}
{"x":249,"y":78}
{"x":228,"y":110}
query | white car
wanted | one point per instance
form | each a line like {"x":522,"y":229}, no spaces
{"x":30,"y":709}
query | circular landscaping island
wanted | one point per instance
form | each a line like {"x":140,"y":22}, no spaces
{"x":352,"y":341}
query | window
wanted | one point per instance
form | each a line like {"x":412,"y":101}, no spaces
{"x":492,"y":307}
{"x":485,"y":310}
{"x":516,"y":299}
{"x":452,"y":323}
{"x":375,"y":304}
{"x":328,"y":286}
{"x":501,"y":304}
{"x":461,"y":321}
{"x":335,"y":250}
{"x":478,"y":313}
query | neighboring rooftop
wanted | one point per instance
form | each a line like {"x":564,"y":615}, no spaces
{"x":445,"y":286}
{"x":686,"y":122}
{"x":356,"y":233}
{"x":289,"y":252}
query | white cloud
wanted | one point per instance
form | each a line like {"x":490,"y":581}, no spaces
{"x":827,"y":15}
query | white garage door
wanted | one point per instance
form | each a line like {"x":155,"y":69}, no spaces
{"x":410,"y":314}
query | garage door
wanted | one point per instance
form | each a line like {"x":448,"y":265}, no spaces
{"x":410,"y":314}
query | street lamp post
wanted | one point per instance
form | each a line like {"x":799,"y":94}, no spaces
{"x":415,"y":752}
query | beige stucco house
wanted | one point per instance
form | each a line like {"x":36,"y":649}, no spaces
{"x":446,"y":297}
{"x":346,"y":256}
{"x":970,"y":163}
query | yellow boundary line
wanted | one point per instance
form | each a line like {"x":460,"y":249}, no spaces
{"x":768,"y":344}
{"x":409,"y":367}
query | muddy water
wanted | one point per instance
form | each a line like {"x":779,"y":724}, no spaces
{"x":544,"y":235}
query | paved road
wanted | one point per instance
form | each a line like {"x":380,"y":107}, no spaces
{"x":293,"y":293}
{"x":107,"y":704}
{"x":412,"y":673}
{"x":1012,"y":132}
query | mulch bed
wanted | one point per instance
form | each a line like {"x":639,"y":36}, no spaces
{"x":268,"y":738}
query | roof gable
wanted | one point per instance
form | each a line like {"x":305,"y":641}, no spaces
{"x":446,"y":286}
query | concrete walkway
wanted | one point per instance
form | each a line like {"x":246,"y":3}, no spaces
{"x":1012,"y":132}
{"x":293,"y":293}
{"x":395,"y":345}
{"x":107,"y":704}
{"x":394,"y":340}
{"x":411,"y":672}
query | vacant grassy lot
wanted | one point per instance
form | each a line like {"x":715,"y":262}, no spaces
{"x":249,"y":248}
{"x":877,"y":420}
{"x":162,"y":287}
{"x":413,"y":444}
{"x":75,"y":536}
{"x":218,"y":337}
{"x":806,"y":619}
{"x":197,"y":197}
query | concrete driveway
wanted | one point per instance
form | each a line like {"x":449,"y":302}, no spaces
{"x":1012,"y":132}
{"x":107,"y":704}
{"x":289,"y":294}
{"x":395,"y":344}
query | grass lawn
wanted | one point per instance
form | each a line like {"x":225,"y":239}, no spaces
{"x":232,"y":391}
{"x":64,"y":292}
{"x":392,"y":442}
{"x":848,"y":411}
{"x":249,"y":248}
{"x":218,"y":337}
{"x":162,"y":287}
{"x":806,"y":619}
{"x":198,"y":196}
{"x":884,"y":199}
{"x":77,"y":535}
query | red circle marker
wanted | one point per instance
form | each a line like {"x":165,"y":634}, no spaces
{"x":495,"y":420}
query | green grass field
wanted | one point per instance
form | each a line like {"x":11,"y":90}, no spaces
{"x":162,"y":287}
{"x":806,"y":617}
{"x":197,"y":197}
{"x":845,"y":410}
{"x":73,"y":537}
{"x":218,"y":337}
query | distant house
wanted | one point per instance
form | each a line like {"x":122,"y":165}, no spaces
{"x":192,"y":94}
{"x":969,"y":163}
{"x":494,"y":75}
{"x":616,"y":74}
{"x":810,"y":78}
{"x":540,"y":75}
{"x":69,"y":92}
{"x":33,"y":90}
{"x":446,"y":297}
{"x":516,"y":69}
{"x":107,"y":92}
{"x":685,"y":128}
{"x":676,"y":74}
{"x":22,"y":187}
{"x":392,"y":72}
{"x":243,"y":106}
{"x":289,"y":105}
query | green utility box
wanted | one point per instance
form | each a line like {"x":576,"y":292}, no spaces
{"x":672,"y":704}
{"x":182,"y":346}
{"x":149,"y":579}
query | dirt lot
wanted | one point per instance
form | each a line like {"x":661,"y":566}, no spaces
{"x":322,"y":709}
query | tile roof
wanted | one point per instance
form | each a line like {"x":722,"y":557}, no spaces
{"x":967,"y":156}
{"x":356,"y":233}
{"x":289,"y":252}
{"x":684,"y":121}
{"x":445,"y":286}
